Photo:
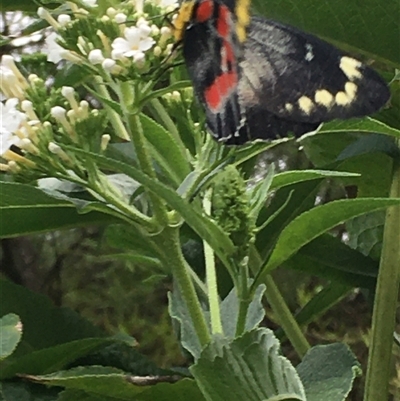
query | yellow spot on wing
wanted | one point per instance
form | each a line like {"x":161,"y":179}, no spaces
{"x":242,"y":18}
{"x":350,"y":67}
{"x":341,"y":99}
{"x":306,"y":104}
{"x":324,"y":97}
{"x":347,"y":97}
{"x":289,"y":107}
{"x":184,"y":16}
{"x":351,"y":89}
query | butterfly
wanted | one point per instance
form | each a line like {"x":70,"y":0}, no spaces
{"x":260,"y":79}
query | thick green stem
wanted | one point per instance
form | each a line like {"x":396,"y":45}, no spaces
{"x":286,"y":319}
{"x":244,"y":298}
{"x":170,"y":243}
{"x":211,"y":277}
{"x":282,"y":311}
{"x":386,"y":295}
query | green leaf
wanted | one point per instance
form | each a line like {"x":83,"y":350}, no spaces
{"x":296,"y":199}
{"x":25,"y":209}
{"x":10,"y":334}
{"x":230,"y":312}
{"x":51,"y":359}
{"x":345,"y":23}
{"x":366,"y":233}
{"x":165,"y":150}
{"x":328,"y":372}
{"x":204,"y":227}
{"x":114,"y":383}
{"x":318,"y":220}
{"x":375,"y":174}
{"x":250,"y":366}
{"x":24,"y":391}
{"x":44,"y":325}
{"x":366,"y":125}
{"x":322,"y":302}
{"x":330,"y":258}
{"x":183,"y":324}
{"x":23,"y":5}
{"x":292,"y":177}
{"x":75,"y":395}
{"x":371,"y":143}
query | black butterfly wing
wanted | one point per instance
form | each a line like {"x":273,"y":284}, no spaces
{"x":293,"y":81}
{"x":211,"y":53}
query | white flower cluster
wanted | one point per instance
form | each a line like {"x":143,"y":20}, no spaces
{"x":137,"y":36}
{"x":20,"y":125}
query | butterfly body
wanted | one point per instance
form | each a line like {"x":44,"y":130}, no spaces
{"x":259,"y":79}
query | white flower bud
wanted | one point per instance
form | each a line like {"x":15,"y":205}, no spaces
{"x":111,"y":12}
{"x":44,"y":14}
{"x":165,"y":31}
{"x":13,"y":167}
{"x":58,"y":113}
{"x":120,"y":18}
{"x":83,"y":109}
{"x":70,"y":56}
{"x":63,"y":19}
{"x":105,"y":139}
{"x":108,"y":64}
{"x":54,"y":148}
{"x":175,"y":95}
{"x":155,"y":30}
{"x":27,"y":107}
{"x":96,"y":56}
{"x":33,"y":78}
{"x":157,"y":51}
{"x":69,"y":93}
{"x":27,"y":145}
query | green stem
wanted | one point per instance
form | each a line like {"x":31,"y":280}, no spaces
{"x":170,"y":243}
{"x":282,"y":311}
{"x":102,"y":187}
{"x":138,"y":139}
{"x":285,"y":317}
{"x":114,"y":117}
{"x":211,"y":276}
{"x":386,"y":295}
{"x":244,"y":297}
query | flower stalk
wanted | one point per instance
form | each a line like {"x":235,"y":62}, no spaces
{"x":386,"y":300}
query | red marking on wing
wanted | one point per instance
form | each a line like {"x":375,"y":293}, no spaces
{"x":223,"y":27}
{"x":204,"y":11}
{"x":217,"y":92}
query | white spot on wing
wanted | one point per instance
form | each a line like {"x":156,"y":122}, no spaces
{"x":309,"y":52}
{"x":324,"y":98}
{"x":350,"y":67}
{"x":346,"y":97}
{"x":306,"y":104}
{"x":289,"y":107}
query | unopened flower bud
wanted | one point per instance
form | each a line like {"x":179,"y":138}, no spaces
{"x":63,"y":19}
{"x":44,"y":14}
{"x":111,"y":12}
{"x":105,"y":139}
{"x":96,"y":56}
{"x":120,"y":18}
{"x":157,"y":51}
{"x":27,"y":107}
{"x":69,"y":93}
{"x":27,"y":145}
